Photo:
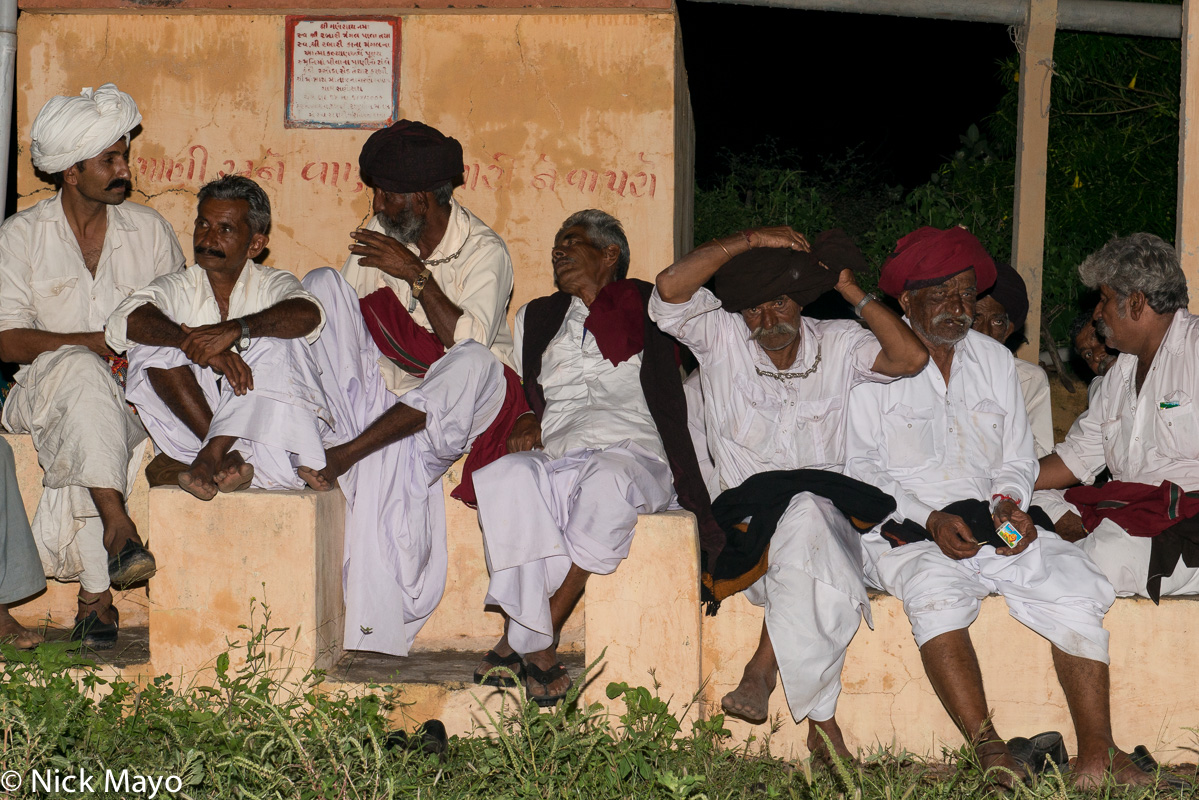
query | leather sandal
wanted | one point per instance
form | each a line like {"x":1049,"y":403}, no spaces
{"x":133,"y":564}
{"x":1036,"y":753}
{"x":545,"y":677}
{"x":93,"y":633}
{"x":504,"y":672}
{"x":1147,"y":763}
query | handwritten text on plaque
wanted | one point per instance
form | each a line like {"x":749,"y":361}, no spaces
{"x":342,"y":73}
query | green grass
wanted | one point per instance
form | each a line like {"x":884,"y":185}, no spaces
{"x":251,"y":735}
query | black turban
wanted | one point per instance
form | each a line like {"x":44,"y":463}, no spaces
{"x":1011,"y":293}
{"x":760,"y":275}
{"x":410,"y":157}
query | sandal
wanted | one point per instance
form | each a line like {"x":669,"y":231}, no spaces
{"x":545,"y":677}
{"x":505,"y":672}
{"x":1147,"y":763}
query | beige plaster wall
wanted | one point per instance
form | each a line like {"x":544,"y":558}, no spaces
{"x":556,"y":112}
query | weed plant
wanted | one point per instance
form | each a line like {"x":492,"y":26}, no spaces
{"x":252,"y":734}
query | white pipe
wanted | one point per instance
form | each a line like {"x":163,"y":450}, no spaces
{"x":8,"y":60}
{"x":1095,"y":16}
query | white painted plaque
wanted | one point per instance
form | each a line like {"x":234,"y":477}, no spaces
{"x":342,"y":73}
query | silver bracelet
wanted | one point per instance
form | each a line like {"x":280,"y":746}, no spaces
{"x":857,"y":310}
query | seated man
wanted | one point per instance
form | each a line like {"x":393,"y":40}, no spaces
{"x":1142,"y":424}
{"x":608,"y":423}
{"x":20,"y":571}
{"x":219,"y":369}
{"x":1098,"y":357}
{"x":1000,"y":314}
{"x":773,"y":385}
{"x":953,"y":444}
{"x":426,"y":298}
{"x":65,"y":264}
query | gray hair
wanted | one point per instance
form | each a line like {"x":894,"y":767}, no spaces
{"x":603,"y":230}
{"x":1142,"y":263}
{"x":237,"y":187}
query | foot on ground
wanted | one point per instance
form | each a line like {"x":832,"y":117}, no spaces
{"x":322,"y":480}
{"x":198,"y":480}
{"x":235,"y":474}
{"x":1093,"y":771}
{"x":498,"y":670}
{"x":13,"y":633}
{"x":546,"y":694}
{"x":750,"y":701}
{"x":820,"y":749}
{"x":998,"y":765}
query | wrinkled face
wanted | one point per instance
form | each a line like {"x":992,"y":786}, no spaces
{"x":991,"y":318}
{"x":1092,"y":350}
{"x":104,"y":178}
{"x":577,"y":262}
{"x":396,"y":213}
{"x":1111,"y":318}
{"x":774,"y":325}
{"x":942,"y":314}
{"x":223,"y":241}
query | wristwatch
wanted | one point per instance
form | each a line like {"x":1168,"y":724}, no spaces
{"x":418,"y":285}
{"x":243,"y":341}
{"x":857,"y":310}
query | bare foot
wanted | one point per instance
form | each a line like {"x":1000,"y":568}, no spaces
{"x":545,"y":659}
{"x":1091,"y":773}
{"x":13,"y":633}
{"x":819,"y":748}
{"x":198,"y":480}
{"x":324,"y":479}
{"x":997,"y":764}
{"x":750,"y":701}
{"x":235,"y":473}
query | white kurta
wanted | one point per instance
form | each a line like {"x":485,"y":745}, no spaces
{"x":394,"y":568}
{"x":577,"y":501}
{"x":281,"y":424}
{"x":478,"y":280}
{"x":1143,"y":437}
{"x":813,"y":591}
{"x":84,"y":433}
{"x":1034,"y":388}
{"x":928,"y":444}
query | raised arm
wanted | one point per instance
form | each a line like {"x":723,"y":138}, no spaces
{"x":903,"y":354}
{"x":681,"y":279}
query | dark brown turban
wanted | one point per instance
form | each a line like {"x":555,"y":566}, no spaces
{"x":410,"y":157}
{"x":760,"y":275}
{"x":928,"y":256}
{"x":1011,"y":293}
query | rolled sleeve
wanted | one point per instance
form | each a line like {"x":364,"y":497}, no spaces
{"x":486,"y":287}
{"x":16,"y":279}
{"x":157,"y":293}
{"x":693,"y":322}
{"x":1082,"y":451}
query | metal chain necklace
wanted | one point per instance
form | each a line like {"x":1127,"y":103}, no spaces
{"x":433,"y":262}
{"x":786,"y":376}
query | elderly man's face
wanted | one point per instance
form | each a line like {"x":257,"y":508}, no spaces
{"x":942,"y":314}
{"x":991,"y":318}
{"x":578,"y":262}
{"x":1093,"y":351}
{"x":1112,"y":322}
{"x":774,"y":325}
{"x":104,"y":178}
{"x":398,"y":215}
{"x":222,"y":240}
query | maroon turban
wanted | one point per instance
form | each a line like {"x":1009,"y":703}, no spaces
{"x":928,"y":256}
{"x":410,"y":157}
{"x":1011,"y":293}
{"x":762,"y":274}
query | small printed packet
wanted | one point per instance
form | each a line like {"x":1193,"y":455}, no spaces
{"x":1007,"y":531}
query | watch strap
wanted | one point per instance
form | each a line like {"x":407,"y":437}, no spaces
{"x":418,"y":285}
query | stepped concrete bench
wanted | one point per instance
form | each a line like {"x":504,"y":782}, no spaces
{"x":284,"y":550}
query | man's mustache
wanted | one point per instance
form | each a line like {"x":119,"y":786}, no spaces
{"x":119,"y":183}
{"x":208,"y":251}
{"x":781,"y":328}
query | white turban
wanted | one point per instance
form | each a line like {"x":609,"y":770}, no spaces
{"x":73,"y":129}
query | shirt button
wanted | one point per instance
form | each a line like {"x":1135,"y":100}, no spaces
{"x":909,"y":424}
{"x":951,"y":430}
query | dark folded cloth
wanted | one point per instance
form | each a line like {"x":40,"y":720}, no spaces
{"x":975,"y":513}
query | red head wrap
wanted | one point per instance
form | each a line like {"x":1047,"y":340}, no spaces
{"x":928,"y":256}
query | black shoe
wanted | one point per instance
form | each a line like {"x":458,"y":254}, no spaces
{"x":1036,"y":753}
{"x":133,"y":564}
{"x":95,"y":634}
{"x":430,"y":738}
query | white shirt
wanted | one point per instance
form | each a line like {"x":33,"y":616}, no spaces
{"x":478,"y":281}
{"x":1132,"y":433}
{"x":44,"y":284}
{"x":187,"y":299}
{"x":757,"y":423}
{"x":1034,"y":387}
{"x":928,"y":444}
{"x":588,"y":402}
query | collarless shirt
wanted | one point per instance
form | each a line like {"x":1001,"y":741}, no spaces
{"x":928,"y":443}
{"x":1148,"y":436}
{"x":478,"y":280}
{"x":187,"y":299}
{"x":44,"y":283}
{"x":756,"y":422}
{"x":589,"y":403}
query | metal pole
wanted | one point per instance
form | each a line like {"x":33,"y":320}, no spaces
{"x":8,"y":59}
{"x":1094,"y":16}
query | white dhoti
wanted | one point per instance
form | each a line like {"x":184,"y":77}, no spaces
{"x":86,"y":438}
{"x":1052,"y":587}
{"x":1122,"y":558}
{"x":394,"y":568}
{"x":815,"y":598}
{"x":539,"y":515}
{"x":282,"y":424}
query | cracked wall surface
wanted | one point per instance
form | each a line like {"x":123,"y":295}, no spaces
{"x":557,"y":111}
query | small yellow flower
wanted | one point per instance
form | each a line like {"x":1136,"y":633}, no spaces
{"x":1132,"y":84}
{"x":1077,"y":181}
{"x":1016,"y":77}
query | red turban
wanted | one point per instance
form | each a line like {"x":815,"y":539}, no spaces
{"x":928,"y":256}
